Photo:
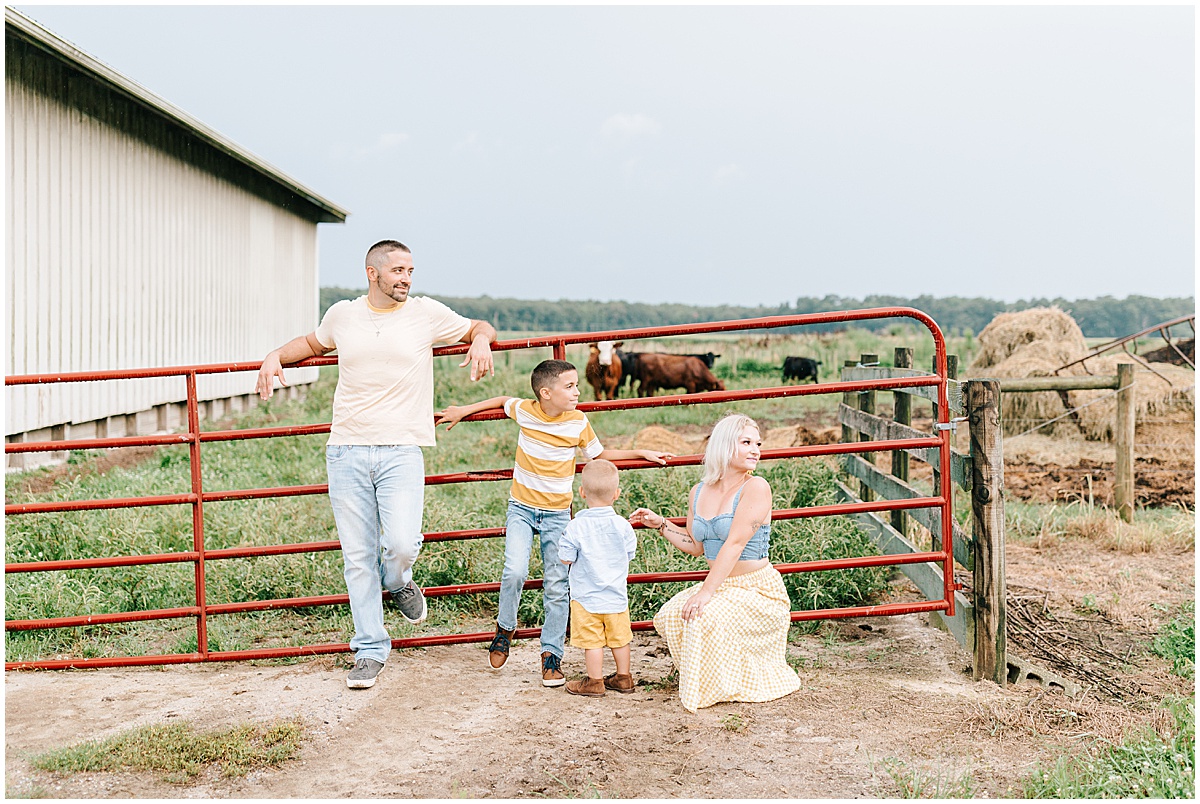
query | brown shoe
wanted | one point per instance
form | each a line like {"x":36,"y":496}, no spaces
{"x":591,"y":687}
{"x":619,"y":682}
{"x":498,"y":650}
{"x":551,"y":674}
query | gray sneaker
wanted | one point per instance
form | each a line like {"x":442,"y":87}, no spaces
{"x":411,"y":603}
{"x":364,"y":674}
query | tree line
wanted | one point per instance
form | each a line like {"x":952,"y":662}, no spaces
{"x":1103,"y":317}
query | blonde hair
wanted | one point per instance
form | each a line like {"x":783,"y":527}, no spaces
{"x":722,"y":444}
{"x":599,"y":480}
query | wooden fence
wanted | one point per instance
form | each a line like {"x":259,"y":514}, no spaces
{"x":979,"y":620}
{"x":1122,"y":383}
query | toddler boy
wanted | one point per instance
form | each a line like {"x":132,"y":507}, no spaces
{"x":540,"y":500}
{"x":597,"y":546}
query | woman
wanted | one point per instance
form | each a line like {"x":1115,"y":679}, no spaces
{"x":727,"y":635}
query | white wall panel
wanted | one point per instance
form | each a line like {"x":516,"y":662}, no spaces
{"x":122,"y":255}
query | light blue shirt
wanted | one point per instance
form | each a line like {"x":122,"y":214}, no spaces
{"x":598,"y":544}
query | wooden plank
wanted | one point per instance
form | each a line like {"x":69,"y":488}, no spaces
{"x":953,"y":389}
{"x":885,"y":429}
{"x":1028,"y":384}
{"x":987,"y":509}
{"x":890,"y":488}
{"x":927,"y":577}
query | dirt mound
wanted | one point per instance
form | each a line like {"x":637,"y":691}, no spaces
{"x":799,"y":436}
{"x":664,"y":440}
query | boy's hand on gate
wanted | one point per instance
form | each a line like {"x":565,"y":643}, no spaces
{"x":453,"y":414}
{"x":655,"y":456}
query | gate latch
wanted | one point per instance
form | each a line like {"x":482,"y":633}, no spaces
{"x":950,"y":425}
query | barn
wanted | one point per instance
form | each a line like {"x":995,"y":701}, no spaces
{"x":137,"y":236}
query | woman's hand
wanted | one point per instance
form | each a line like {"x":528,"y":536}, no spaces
{"x":694,"y":606}
{"x":644,"y":516}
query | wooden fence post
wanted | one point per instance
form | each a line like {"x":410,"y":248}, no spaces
{"x":987,"y":509}
{"x":901,"y":413}
{"x":848,"y":399}
{"x":866,"y":403}
{"x":1123,"y":492}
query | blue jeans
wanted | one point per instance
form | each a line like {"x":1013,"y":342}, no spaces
{"x":521,"y":523}
{"x":377,"y":494}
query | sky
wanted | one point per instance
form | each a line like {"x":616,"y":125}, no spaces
{"x":706,"y":155}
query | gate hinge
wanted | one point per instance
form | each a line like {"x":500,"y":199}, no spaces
{"x":958,"y":587}
{"x":950,"y":425}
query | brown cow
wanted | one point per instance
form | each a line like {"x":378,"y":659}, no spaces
{"x":656,"y":371}
{"x":603,"y":371}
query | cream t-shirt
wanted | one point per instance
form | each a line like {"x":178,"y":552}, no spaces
{"x":384,"y":393}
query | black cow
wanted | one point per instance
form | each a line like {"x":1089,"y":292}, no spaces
{"x":628,"y":367}
{"x":800,"y":369}
{"x":707,"y":357}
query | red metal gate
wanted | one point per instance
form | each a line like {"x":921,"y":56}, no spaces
{"x":198,"y":497}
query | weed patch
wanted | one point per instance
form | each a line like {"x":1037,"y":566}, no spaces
{"x":180,"y":753}
{"x":1149,"y":764}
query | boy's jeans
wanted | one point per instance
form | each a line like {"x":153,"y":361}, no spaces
{"x":520,"y":525}
{"x":377,"y":494}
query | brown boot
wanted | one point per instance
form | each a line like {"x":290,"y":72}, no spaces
{"x":619,"y":682}
{"x":591,"y":687}
{"x":498,"y":650}
{"x":552,"y":675}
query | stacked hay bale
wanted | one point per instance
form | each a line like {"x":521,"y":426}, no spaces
{"x":1035,"y":342}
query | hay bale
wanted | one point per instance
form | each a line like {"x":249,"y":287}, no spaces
{"x":1036,"y":342}
{"x":1009,"y":333}
{"x":1172,"y":399}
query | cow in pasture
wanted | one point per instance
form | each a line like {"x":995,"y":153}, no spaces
{"x":655,"y":371}
{"x":628,"y":367}
{"x":800,"y":369}
{"x":604,"y":370}
{"x":707,"y":357}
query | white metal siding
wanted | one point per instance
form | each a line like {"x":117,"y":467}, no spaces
{"x":120,"y":254}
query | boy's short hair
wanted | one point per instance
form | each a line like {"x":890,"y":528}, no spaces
{"x":547,"y":372}
{"x":600,"y":479}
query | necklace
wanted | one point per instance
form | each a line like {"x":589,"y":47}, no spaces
{"x":376,"y":321}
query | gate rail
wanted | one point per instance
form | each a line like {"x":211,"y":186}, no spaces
{"x":198,"y":497}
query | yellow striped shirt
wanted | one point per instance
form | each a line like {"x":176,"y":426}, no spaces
{"x":545,"y":467}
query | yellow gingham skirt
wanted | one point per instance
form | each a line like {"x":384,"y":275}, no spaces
{"x":736,"y":650}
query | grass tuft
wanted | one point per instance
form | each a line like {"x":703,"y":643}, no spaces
{"x":915,"y":782}
{"x":180,"y":753}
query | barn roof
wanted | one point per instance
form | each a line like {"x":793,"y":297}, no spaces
{"x":17,"y":24}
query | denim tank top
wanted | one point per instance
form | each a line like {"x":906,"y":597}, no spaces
{"x":712,"y":533}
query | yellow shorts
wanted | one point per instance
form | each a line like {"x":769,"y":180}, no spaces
{"x":590,"y":631}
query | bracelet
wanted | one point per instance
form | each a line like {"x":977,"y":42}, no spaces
{"x":664,"y":524}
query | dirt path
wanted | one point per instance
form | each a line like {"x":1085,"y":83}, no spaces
{"x":438,"y":724}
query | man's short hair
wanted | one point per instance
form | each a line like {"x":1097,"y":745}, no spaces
{"x":547,"y":372}
{"x":599,"y":479}
{"x":376,"y":252}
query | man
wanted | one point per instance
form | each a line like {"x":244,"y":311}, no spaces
{"x":382,"y":416}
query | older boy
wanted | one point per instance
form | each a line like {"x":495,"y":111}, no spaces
{"x":597,"y":546}
{"x":540,"y":500}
